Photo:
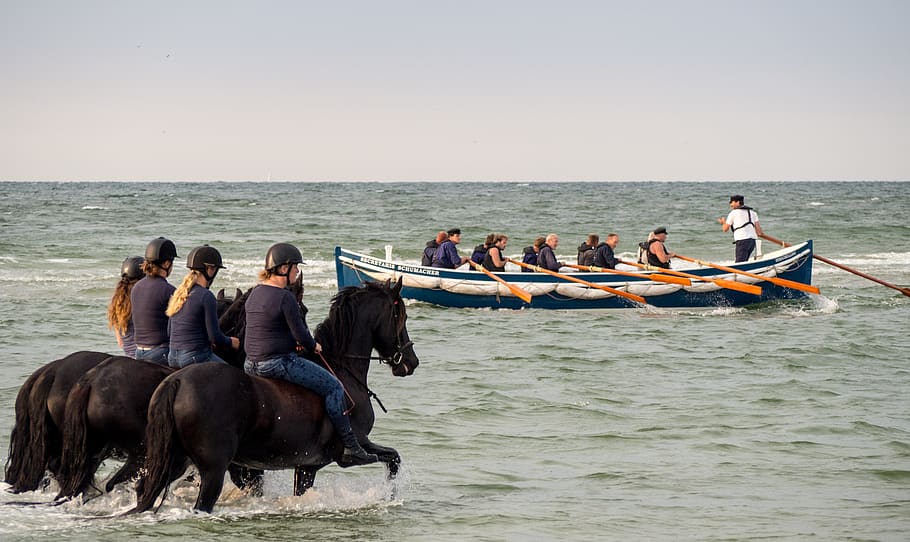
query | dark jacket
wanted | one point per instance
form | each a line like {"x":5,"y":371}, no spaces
{"x":547,"y":259}
{"x":604,"y":257}
{"x":585,"y":254}
{"x":428,"y":253}
{"x":480,"y":251}
{"x":529,"y":256}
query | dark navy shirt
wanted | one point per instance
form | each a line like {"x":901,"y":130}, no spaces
{"x":547,"y":259}
{"x":195,"y":326}
{"x":274,"y":325}
{"x":604,"y":257}
{"x":447,"y":256}
{"x":149,"y":299}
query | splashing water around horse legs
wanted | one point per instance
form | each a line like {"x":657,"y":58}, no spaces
{"x":223,"y":415}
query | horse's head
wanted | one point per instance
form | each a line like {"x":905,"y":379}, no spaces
{"x":371,"y":317}
{"x":232,"y":322}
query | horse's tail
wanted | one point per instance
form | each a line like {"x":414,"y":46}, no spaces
{"x":21,"y":456}
{"x":30,"y":439}
{"x":164,"y":455}
{"x":74,"y":461}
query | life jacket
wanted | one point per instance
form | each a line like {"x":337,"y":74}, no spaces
{"x":585,"y":254}
{"x":652,"y":258}
{"x":488,"y":261}
{"x":480,"y":251}
{"x":748,"y":211}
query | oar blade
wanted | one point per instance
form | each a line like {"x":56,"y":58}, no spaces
{"x":682,"y":281}
{"x":739,"y":286}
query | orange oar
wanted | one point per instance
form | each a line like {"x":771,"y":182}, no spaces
{"x":905,"y":291}
{"x":723,"y":283}
{"x":627,"y":295}
{"x":522,"y":294}
{"x":774,"y":280}
{"x":657,"y":277}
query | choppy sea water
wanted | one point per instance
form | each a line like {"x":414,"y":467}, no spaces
{"x":784,"y":421}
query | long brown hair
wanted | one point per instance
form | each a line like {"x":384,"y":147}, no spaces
{"x":120,"y":310}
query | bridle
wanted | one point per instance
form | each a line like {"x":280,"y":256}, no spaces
{"x":395,"y":359}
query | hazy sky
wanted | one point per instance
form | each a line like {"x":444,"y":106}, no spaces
{"x":433,"y":90}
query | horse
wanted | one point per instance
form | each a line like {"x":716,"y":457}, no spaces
{"x":214,"y":415}
{"x":106,"y":411}
{"x":36,"y":440}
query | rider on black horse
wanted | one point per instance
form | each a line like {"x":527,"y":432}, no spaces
{"x":275,"y":330}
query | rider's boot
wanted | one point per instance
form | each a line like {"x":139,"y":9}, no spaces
{"x":354,"y":454}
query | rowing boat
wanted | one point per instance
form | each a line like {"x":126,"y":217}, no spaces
{"x":473,"y":289}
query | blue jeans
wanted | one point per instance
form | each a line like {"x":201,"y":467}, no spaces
{"x":304,"y":372}
{"x":178,"y":359}
{"x":155,"y":355}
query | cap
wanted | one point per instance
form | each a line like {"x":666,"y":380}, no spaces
{"x":660,"y":230}
{"x":737,"y":198}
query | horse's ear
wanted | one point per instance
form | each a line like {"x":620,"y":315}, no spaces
{"x":239,"y":294}
{"x":220,"y":296}
{"x":397,"y":289}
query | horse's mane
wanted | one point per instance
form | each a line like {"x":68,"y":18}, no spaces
{"x":333,"y":332}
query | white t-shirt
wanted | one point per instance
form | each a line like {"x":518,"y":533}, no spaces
{"x":738,"y":219}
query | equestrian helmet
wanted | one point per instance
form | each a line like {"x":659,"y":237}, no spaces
{"x":280,"y":254}
{"x":131,"y":268}
{"x":160,"y":250}
{"x":202,"y":256}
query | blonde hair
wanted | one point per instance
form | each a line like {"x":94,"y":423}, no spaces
{"x":151,"y":269}
{"x":178,"y":298}
{"x":120,"y":310}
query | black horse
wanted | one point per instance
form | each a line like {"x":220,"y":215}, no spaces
{"x":36,"y":440}
{"x":214,"y":415}
{"x":106,"y":412}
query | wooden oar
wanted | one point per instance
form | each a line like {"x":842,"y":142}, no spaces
{"x":657,"y":277}
{"x":723,"y":283}
{"x":627,"y":295}
{"x":905,"y":291}
{"x":792,"y":284}
{"x":522,"y":294}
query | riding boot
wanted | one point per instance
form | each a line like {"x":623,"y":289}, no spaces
{"x":354,"y":454}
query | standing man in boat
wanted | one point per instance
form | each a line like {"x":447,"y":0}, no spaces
{"x":547,"y":256}
{"x":447,"y":256}
{"x":743,"y":220}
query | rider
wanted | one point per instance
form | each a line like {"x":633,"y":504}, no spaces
{"x":275,"y":330}
{"x":120,"y":311}
{"x":193,"y":325}
{"x":150,"y":297}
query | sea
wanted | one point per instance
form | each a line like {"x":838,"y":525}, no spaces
{"x":779,"y":421}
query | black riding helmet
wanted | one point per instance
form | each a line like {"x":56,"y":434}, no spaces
{"x":280,"y":254}
{"x":200,"y":257}
{"x":160,"y":250}
{"x":131,"y":268}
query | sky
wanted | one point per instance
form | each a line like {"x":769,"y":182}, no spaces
{"x":455,"y":90}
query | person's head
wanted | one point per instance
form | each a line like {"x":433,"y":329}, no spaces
{"x":159,"y":257}
{"x":441,"y":237}
{"x":660,"y":233}
{"x":500,"y":240}
{"x":612,"y":240}
{"x":490,"y":239}
{"x":592,"y":240}
{"x":454,"y":235}
{"x":131,"y":269}
{"x":539,"y":242}
{"x":737,"y":201}
{"x":553,"y":240}
{"x":282,"y":260}
{"x":205,"y":260}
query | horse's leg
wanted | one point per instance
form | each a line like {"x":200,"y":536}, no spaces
{"x":127,"y":471}
{"x":304,"y":478}
{"x":387,"y":455}
{"x":210,"y":487}
{"x":247,"y":479}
